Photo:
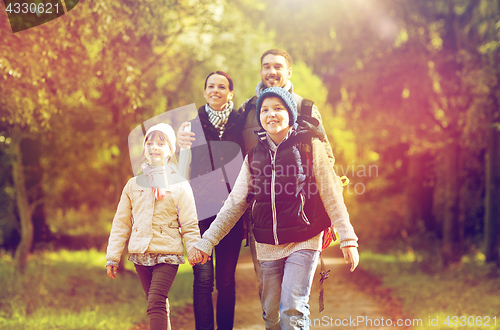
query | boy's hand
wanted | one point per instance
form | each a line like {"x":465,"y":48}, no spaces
{"x":184,"y":139}
{"x":205,"y":257}
{"x":351,"y":255}
{"x":111,"y":270}
{"x":196,"y":256}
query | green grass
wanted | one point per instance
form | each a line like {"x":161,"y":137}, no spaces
{"x":70,"y":290}
{"x":427,"y":292}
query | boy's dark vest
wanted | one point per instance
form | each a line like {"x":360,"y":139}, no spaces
{"x":287,"y":206}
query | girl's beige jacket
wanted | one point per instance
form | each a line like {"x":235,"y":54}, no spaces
{"x":154,"y":226}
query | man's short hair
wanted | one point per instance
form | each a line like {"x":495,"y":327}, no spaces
{"x":277,"y":52}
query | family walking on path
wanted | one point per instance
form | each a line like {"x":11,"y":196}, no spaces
{"x":285,"y":198}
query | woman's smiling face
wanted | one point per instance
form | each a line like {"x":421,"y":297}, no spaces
{"x":274,"y":118}
{"x":217,"y":92}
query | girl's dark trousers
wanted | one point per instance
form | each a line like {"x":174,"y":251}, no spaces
{"x":156,"y":282}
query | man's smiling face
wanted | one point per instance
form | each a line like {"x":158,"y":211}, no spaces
{"x":274,"y":71}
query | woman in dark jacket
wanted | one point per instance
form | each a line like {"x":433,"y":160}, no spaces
{"x":215,"y":160}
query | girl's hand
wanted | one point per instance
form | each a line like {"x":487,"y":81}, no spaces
{"x":111,"y":271}
{"x":351,"y":255}
{"x":184,"y":139}
{"x":196,"y":256}
{"x":193,"y":256}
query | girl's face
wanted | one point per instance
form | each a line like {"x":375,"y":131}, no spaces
{"x":274,"y":118}
{"x":157,"y":149}
{"x":217,"y":92}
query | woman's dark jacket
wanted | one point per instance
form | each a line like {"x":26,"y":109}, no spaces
{"x":215,"y":162}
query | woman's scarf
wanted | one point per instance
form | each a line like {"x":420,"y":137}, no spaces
{"x":219,"y":118}
{"x":157,"y":178}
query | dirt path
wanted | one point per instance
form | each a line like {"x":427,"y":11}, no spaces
{"x":356,"y":299}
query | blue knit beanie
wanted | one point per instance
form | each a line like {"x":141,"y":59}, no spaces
{"x":285,"y":97}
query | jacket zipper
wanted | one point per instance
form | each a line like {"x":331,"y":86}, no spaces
{"x":273,"y":197}
{"x":304,"y":217}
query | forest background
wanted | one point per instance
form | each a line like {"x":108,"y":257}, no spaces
{"x":408,"y":91}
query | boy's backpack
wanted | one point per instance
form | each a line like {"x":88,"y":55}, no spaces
{"x":306,"y":110}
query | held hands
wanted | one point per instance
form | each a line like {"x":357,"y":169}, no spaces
{"x":196,"y":256}
{"x":351,"y":255}
{"x":111,"y":270}
{"x":185,"y":138}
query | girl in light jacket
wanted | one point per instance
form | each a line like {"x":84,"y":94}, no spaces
{"x":156,"y":211}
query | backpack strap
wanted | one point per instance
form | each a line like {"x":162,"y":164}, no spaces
{"x":306,"y":107}
{"x":306,"y":149}
{"x":324,"y":275}
{"x":328,"y":233}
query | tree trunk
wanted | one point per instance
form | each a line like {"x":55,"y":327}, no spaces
{"x":31,"y":153}
{"x":23,"y":206}
{"x":491,"y":218}
{"x":419,"y":195}
{"x":452,"y":226}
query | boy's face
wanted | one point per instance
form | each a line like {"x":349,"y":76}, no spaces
{"x":157,"y":150}
{"x":274,"y":118}
{"x":274,"y":71}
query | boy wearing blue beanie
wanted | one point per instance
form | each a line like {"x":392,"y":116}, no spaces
{"x":294,"y":200}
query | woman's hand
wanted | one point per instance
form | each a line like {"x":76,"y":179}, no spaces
{"x":351,"y":255}
{"x":111,"y":271}
{"x":184,"y":139}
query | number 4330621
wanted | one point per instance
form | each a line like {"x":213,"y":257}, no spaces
{"x":470,"y":321}
{"x":32,"y":8}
